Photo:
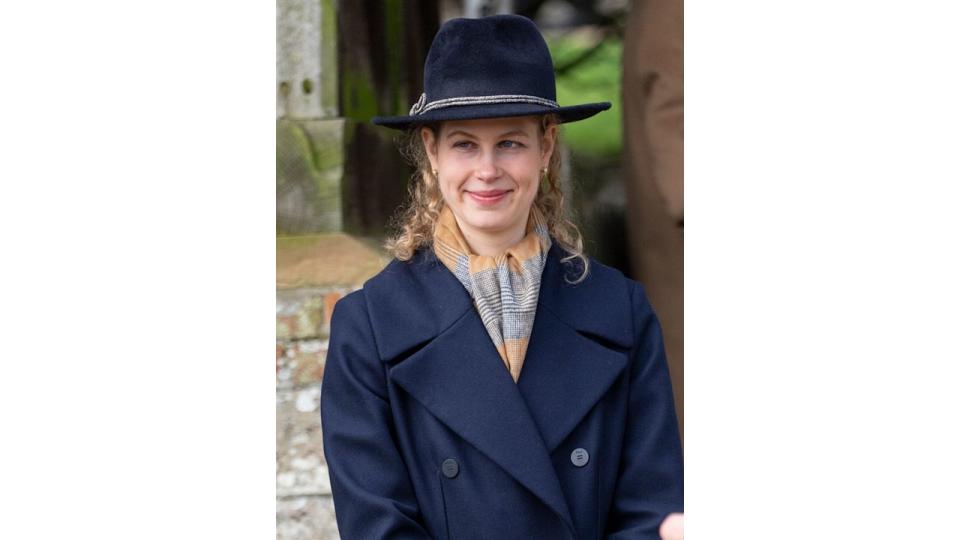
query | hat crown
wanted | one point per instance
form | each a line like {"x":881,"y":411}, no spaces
{"x":493,"y":67}
{"x":493,"y":56}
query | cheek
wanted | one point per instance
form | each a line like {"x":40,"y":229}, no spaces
{"x":530,"y":179}
{"x":449,"y":191}
{"x":527,"y":169}
{"x":530,"y":195}
{"x":454,"y":173}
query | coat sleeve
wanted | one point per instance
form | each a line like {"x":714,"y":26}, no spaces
{"x":372,"y":492}
{"x":650,"y":481}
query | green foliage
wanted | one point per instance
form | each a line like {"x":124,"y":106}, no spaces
{"x":595,"y":79}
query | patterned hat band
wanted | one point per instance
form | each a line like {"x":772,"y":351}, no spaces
{"x":421,"y":106}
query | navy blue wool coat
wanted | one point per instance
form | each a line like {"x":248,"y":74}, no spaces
{"x":426,"y":435}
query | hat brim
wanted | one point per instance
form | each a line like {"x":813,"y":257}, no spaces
{"x":499,"y":110}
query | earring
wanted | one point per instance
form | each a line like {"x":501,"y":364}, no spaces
{"x":543,"y":172}
{"x":435,"y":174}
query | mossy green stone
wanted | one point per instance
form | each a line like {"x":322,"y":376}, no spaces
{"x":328,"y":57}
{"x":309,"y":173}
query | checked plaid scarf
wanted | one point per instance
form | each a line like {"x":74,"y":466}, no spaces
{"x":504,"y":288}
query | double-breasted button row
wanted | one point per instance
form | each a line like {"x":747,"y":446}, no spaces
{"x":450,"y":467}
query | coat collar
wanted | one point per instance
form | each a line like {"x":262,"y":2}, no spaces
{"x":426,"y":327}
{"x":417,"y":300}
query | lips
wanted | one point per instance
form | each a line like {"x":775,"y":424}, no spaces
{"x":489,"y":193}
{"x":489,"y":196}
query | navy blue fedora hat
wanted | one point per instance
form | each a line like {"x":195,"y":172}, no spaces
{"x":488,"y":68}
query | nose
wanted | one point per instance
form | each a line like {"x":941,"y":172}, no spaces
{"x":487,"y":169}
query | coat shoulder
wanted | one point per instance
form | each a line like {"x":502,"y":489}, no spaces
{"x":607,"y":275}
{"x":633,"y":291}
{"x":410,"y":302}
{"x":600,"y":304}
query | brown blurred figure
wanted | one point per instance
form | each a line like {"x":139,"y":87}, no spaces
{"x":653,"y":165}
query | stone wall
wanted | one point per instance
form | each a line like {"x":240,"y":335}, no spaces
{"x":313,"y":272}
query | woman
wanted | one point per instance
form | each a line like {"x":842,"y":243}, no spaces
{"x":492,"y":381}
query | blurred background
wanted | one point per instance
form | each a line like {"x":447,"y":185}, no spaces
{"x":340,"y":179}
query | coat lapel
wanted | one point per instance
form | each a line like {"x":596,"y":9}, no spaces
{"x":576,"y":352}
{"x":564,"y":375}
{"x":460,"y":378}
{"x":578,"y":347}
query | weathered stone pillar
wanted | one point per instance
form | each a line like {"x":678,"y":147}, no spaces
{"x":309,"y":126}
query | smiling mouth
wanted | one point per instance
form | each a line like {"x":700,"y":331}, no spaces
{"x":490,"y":193}
{"x":488,"y":197}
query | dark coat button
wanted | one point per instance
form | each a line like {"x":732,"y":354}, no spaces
{"x":579,"y":457}
{"x":450,"y":467}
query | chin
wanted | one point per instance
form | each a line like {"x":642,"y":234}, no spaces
{"x":487,"y":223}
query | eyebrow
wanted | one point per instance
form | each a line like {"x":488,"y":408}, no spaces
{"x":512,"y":133}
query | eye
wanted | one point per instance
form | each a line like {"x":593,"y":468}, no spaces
{"x":510,"y":144}
{"x":463,"y":145}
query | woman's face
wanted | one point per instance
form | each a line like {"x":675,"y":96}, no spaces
{"x":489,"y":172}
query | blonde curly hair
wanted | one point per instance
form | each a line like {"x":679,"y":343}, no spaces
{"x":416,"y":219}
